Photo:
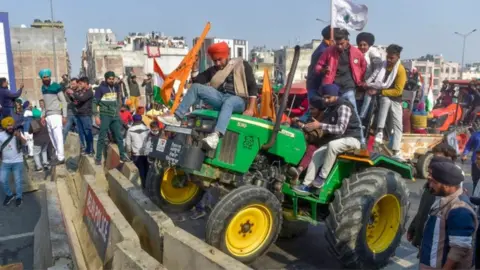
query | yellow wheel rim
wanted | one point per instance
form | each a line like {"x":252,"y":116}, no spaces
{"x":384,"y":223}
{"x":248,"y":230}
{"x":175,"y":194}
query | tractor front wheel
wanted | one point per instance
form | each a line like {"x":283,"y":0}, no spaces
{"x":245,"y":223}
{"x":423,"y":163}
{"x":367,"y":218}
{"x":171,"y":189}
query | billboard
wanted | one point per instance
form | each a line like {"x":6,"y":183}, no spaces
{"x":6,"y":57}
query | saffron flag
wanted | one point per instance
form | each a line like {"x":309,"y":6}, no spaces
{"x":267,"y":108}
{"x":176,"y":81}
{"x":348,"y":15}
{"x":158,"y":80}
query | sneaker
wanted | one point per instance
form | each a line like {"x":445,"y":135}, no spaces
{"x":197,"y":214}
{"x":46,"y":167}
{"x":212,"y":140}
{"x":98,"y":162}
{"x":379,"y":138}
{"x":18,"y":202}
{"x":302,"y":189}
{"x":39,"y":170}
{"x":92,"y":155}
{"x":318,"y":182}
{"x":398,"y":156}
{"x":169,"y":120}
{"x":8,"y":200}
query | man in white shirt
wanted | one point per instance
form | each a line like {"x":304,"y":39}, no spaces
{"x":11,"y":142}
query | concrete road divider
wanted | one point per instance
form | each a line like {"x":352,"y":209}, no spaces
{"x":95,"y":226}
{"x":174,"y":247}
{"x":127,"y":257}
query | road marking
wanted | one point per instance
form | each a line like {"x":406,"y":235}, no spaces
{"x":403,"y":263}
{"x":15,"y":236}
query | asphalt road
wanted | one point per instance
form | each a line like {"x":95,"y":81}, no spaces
{"x":16,"y":229}
{"x":311,"y":251}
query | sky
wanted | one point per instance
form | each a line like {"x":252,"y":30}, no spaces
{"x":421,"y":27}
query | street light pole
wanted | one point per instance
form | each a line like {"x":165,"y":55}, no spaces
{"x":464,"y":36}
{"x":322,"y":21}
{"x":53,"y":43}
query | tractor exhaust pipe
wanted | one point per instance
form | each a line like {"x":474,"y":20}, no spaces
{"x":283,"y":103}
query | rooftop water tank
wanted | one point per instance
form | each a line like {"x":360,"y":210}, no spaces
{"x":102,"y":31}
{"x":96,"y":30}
{"x":109,"y":31}
{"x":23,"y":26}
{"x":90,"y":30}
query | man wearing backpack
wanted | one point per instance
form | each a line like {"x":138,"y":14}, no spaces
{"x":11,"y":142}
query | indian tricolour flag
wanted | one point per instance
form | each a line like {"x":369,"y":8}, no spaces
{"x":158,"y":80}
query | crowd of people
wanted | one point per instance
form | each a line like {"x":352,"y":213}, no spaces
{"x":107,"y":110}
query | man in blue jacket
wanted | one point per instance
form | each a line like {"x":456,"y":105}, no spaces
{"x":449,"y":234}
{"x":314,"y":80}
{"x":7,"y":97}
{"x":473,"y":145}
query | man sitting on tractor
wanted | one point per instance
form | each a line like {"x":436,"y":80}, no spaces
{"x":344,"y":65}
{"x":230,"y":83}
{"x":342,"y":132}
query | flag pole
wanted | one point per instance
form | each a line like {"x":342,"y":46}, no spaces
{"x":331,"y":21}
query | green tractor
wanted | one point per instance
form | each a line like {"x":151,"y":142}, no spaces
{"x":364,"y":201}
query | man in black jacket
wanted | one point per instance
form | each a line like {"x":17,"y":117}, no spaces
{"x":342,"y":133}
{"x":231,"y":84}
{"x":83,"y":98}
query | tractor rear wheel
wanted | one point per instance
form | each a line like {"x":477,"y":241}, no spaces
{"x":171,"y":189}
{"x":423,"y":163}
{"x":367,"y":218}
{"x":245,"y":223}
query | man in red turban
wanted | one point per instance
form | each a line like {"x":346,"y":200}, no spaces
{"x":219,"y":51}
{"x":228,"y":86}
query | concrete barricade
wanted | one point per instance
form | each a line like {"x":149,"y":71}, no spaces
{"x":174,"y":247}
{"x":100,"y":237}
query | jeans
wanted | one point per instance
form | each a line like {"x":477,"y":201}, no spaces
{"x":349,"y":95}
{"x":326,"y":155}
{"x":84,"y":124}
{"x":142,"y":165}
{"x":148,"y":101}
{"x":7,"y":111}
{"x":40,"y":155}
{"x":310,"y":94}
{"x":475,"y":176}
{"x":224,"y":102}
{"x":111,"y":123}
{"x":68,"y":126}
{"x":367,"y":99}
{"x":17,"y":170}
{"x":393,"y":109}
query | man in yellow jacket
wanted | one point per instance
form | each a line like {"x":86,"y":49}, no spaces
{"x":389,"y":84}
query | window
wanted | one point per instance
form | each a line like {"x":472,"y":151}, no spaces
{"x":240,"y":52}
{"x":436,"y":72}
{"x":421,"y":69}
{"x":447,"y":70}
{"x":435,"y":82}
{"x":454,"y":70}
{"x":437,"y":61}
